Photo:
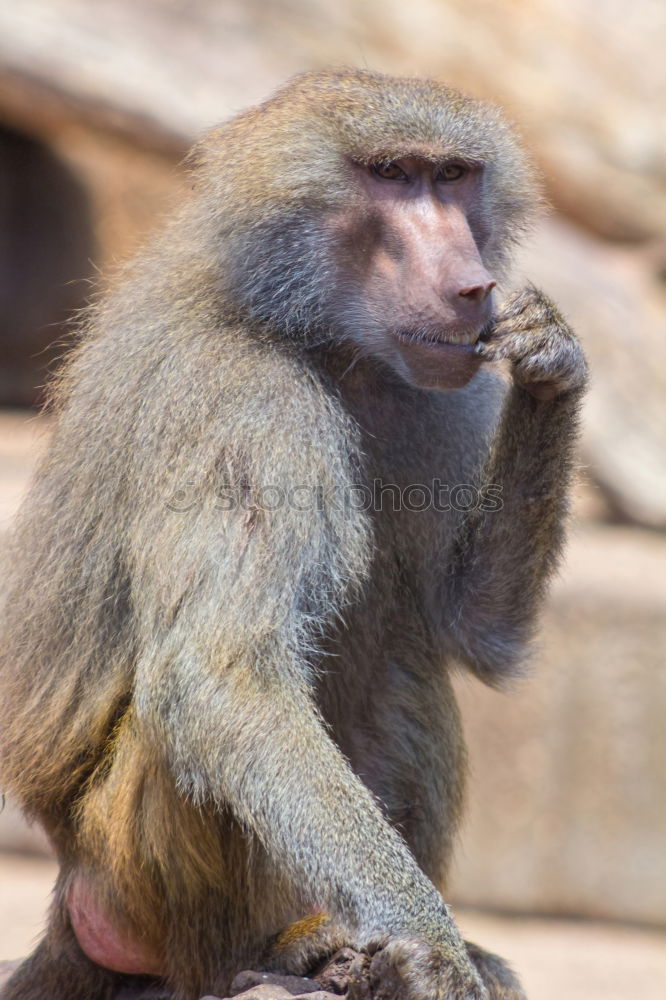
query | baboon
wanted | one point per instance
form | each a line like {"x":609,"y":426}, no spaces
{"x":227,"y":644}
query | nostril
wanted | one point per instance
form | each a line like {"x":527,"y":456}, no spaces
{"x":477,"y":293}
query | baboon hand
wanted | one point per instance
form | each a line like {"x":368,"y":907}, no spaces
{"x":546,"y":358}
{"x":406,"y":968}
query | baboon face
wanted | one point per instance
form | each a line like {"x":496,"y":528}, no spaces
{"x":413,"y":289}
{"x":371,"y":211}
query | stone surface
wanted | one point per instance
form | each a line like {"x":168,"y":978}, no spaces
{"x":295,"y":985}
{"x":566,"y":807}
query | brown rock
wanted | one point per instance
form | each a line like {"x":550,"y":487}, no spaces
{"x":294,"y":985}
{"x":268,"y":991}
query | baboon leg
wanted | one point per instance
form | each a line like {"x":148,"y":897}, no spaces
{"x":59,"y":970}
{"x":497,"y":976}
{"x":48,"y":976}
{"x":305,"y":944}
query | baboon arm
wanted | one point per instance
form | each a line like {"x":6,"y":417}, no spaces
{"x":250,"y":738}
{"x":232,"y":604}
{"x":503,"y":558}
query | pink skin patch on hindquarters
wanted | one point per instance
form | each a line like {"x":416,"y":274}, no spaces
{"x":102,"y":941}
{"x":107,"y":945}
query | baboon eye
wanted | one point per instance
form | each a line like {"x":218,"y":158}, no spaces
{"x":389,"y":171}
{"x":451,"y":172}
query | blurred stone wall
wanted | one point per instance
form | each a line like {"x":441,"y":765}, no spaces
{"x":567,"y":811}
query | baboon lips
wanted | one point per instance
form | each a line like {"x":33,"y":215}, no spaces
{"x":449,"y":365}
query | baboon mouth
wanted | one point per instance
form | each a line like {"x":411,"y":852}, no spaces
{"x":453,"y":337}
{"x":438,"y":342}
{"x":438,"y":361}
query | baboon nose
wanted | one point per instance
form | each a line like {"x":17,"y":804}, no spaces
{"x":477,"y":293}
